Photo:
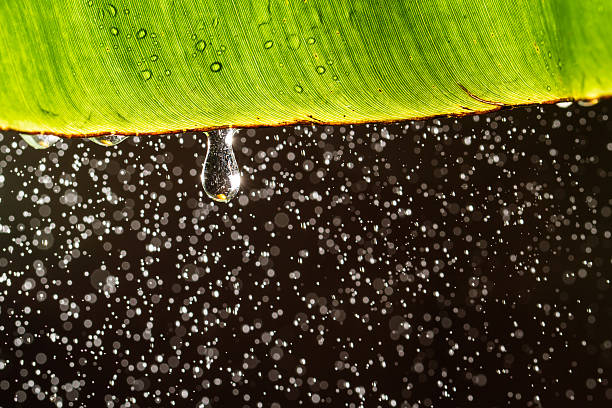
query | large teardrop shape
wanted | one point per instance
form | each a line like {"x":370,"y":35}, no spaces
{"x":220,"y":174}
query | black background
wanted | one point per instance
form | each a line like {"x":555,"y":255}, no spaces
{"x":449,"y":262}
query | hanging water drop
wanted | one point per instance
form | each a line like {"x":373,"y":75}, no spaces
{"x":588,"y":102}
{"x":220,"y":174}
{"x":108,"y":140}
{"x":39,"y":141}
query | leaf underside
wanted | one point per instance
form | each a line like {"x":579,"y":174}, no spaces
{"x":83,"y":67}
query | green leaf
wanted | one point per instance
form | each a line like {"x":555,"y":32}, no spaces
{"x":79,"y":67}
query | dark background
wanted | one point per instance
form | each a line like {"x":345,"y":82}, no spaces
{"x":451,"y":262}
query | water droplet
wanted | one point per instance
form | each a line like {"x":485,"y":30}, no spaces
{"x":220,"y":174}
{"x":167,"y":72}
{"x":114,"y":31}
{"x":298,"y":89}
{"x":142,"y":33}
{"x":39,"y":141}
{"x":111,"y":10}
{"x":311,"y":40}
{"x":294,"y":41}
{"x":154,"y":57}
{"x":90,"y":3}
{"x":588,"y":102}
{"x":564,"y":104}
{"x":548,"y":88}
{"x":335,"y":78}
{"x":268,"y":44}
{"x":108,"y":140}
{"x":320,"y":70}
{"x":146,"y":74}
{"x":201,"y":45}
{"x":216,"y":66}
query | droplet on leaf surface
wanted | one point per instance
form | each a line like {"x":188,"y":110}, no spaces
{"x":201,"y":45}
{"x":146,"y":74}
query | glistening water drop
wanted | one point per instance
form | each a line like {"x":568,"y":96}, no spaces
{"x":39,"y":141}
{"x":220,"y":174}
{"x":108,"y":140}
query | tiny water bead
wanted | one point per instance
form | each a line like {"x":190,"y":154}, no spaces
{"x":142,"y":33}
{"x":111,"y":10}
{"x":268,"y":44}
{"x":320,"y":70}
{"x":220,"y":174}
{"x":108,"y":140}
{"x":114,"y":31}
{"x":298,"y":89}
{"x":39,"y":141}
{"x":293,"y":41}
{"x":146,"y":74}
{"x":216,"y":67}
{"x":201,"y":45}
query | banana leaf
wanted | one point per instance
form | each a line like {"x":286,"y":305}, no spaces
{"x":85,"y":67}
